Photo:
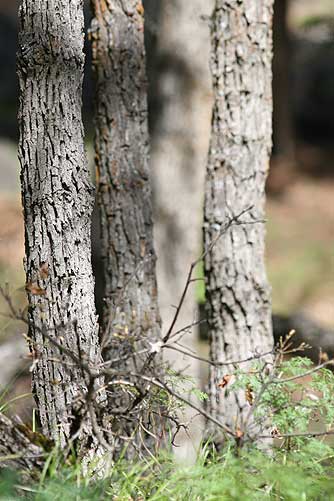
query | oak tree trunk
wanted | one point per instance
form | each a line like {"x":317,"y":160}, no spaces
{"x":238,"y":294}
{"x":131,"y":320}
{"x":57,"y":199}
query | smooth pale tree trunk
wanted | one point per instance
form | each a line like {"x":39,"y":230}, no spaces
{"x":238,"y":294}
{"x":180,"y":111}
{"x":57,"y":199}
{"x":180,"y":98}
{"x":131,"y":320}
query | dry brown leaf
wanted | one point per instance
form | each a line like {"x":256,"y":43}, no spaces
{"x":35,"y":289}
{"x":224,"y":382}
{"x":140,"y":8}
{"x":323,"y":357}
{"x":239,"y":433}
{"x":275,"y":432}
{"x":249,"y":394}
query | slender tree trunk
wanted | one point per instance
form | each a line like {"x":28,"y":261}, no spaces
{"x":131,"y":318}
{"x":57,"y":199}
{"x":180,"y":100}
{"x":181,"y":104}
{"x":238,"y":294}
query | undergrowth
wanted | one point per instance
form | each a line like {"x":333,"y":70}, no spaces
{"x":298,"y":399}
{"x":301,"y":474}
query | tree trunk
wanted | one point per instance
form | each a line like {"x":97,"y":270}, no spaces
{"x":57,"y":199}
{"x":238,"y":294}
{"x":181,"y":103}
{"x":131,"y":317}
{"x":180,"y":99}
{"x":20,"y":448}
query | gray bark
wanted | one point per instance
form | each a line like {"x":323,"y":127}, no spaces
{"x":131,"y":317}
{"x":309,"y":332}
{"x":238,"y":294}
{"x":57,"y":199}
{"x":180,"y":98}
{"x":20,"y":447}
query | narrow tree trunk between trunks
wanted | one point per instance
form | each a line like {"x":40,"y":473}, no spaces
{"x":57,"y":199}
{"x":180,"y":100}
{"x":131,"y":318}
{"x":238,"y":294}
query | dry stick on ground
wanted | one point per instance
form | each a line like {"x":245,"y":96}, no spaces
{"x":307,"y":434}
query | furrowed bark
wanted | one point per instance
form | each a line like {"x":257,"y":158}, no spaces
{"x":18,"y":450}
{"x":124,"y":192}
{"x":131,"y":317}
{"x":238,"y":294}
{"x":57,"y":199}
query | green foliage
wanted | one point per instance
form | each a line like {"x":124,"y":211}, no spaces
{"x":184,"y":385}
{"x":290,"y":400}
{"x":297,"y":397}
{"x":253,"y":475}
{"x":317,"y":20}
{"x":200,"y":284}
{"x":8,"y":481}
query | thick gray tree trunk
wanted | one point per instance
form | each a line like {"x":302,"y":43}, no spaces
{"x":180,"y":111}
{"x":238,"y":294}
{"x":57,"y":199}
{"x":131,"y":319}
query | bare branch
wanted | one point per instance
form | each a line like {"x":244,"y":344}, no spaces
{"x":233,"y":221}
{"x":163,"y":386}
{"x":304,"y":374}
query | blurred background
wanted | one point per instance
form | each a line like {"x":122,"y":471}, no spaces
{"x":300,"y":188}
